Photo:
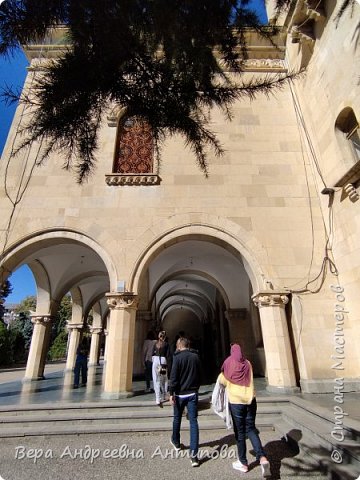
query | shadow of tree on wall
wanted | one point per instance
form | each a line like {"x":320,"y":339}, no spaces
{"x":356,"y":37}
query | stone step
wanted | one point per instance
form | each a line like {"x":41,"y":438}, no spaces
{"x":71,"y":428}
{"x":165,"y":412}
{"x":350,"y":427}
{"x":312,"y":436}
{"x":125,"y":417}
{"x":320,"y":428}
{"x":114,"y":406}
{"x":310,"y":446}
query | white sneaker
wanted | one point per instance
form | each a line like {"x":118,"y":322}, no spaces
{"x":265,"y":469}
{"x":195,"y":462}
{"x":240,"y":466}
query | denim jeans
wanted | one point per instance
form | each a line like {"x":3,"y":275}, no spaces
{"x":192,"y":409}
{"x":243,"y":417}
{"x":80,"y":365}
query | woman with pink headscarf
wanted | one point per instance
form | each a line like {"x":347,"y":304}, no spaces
{"x":237,"y":377}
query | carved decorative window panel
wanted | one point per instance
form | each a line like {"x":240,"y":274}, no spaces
{"x":135,"y":149}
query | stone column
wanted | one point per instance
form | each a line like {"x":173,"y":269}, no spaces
{"x":74,"y":334}
{"x":38,"y":348}
{"x":94,"y":346}
{"x":106,"y":338}
{"x":120,"y":348}
{"x":279,"y":361}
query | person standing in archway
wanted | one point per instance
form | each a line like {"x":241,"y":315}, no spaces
{"x":159,"y":368}
{"x":81,"y":364}
{"x":237,"y":377}
{"x":147,"y":352}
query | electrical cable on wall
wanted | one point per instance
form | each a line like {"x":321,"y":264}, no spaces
{"x":328,"y":262}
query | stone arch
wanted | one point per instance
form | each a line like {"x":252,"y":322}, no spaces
{"x":17,"y":253}
{"x":248,"y":254}
{"x":43,"y":304}
{"x":183,"y":226}
{"x":61,"y":260}
{"x":210,"y":278}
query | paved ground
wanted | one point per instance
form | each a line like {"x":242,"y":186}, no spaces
{"x":56,"y":388}
{"x":150,"y":456}
{"x":136,"y":456}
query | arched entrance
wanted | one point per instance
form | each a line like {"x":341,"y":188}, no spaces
{"x":211,"y":275}
{"x":62,"y":261}
{"x":198,"y":285}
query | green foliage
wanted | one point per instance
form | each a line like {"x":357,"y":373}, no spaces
{"x":167,"y":61}
{"x":63,"y":314}
{"x":17,"y":351}
{"x":23,"y":327}
{"x":23,"y":323}
{"x":58,"y":348}
{"x":26,"y":306}
{"x":6,"y":352}
{"x":15,"y":342}
{"x":5,"y":291}
{"x":20,"y":330}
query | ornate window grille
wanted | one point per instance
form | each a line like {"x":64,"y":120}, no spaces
{"x":135,"y":149}
{"x":134,"y":156}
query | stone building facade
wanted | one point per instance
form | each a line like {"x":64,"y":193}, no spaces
{"x":265,"y":251}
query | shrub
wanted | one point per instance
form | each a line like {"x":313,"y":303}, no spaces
{"x":58,"y":348}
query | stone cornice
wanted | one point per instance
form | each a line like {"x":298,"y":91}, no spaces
{"x":57,"y":43}
{"x":132,"y":179}
{"x":265,"y":65}
{"x":119,"y":301}
{"x":271,"y":298}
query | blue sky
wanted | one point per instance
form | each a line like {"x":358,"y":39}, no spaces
{"x":12,"y":74}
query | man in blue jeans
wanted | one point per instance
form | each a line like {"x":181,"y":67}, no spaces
{"x":81,"y":365}
{"x":184,"y":387}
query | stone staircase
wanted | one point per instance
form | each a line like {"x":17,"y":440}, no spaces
{"x":308,"y":427}
{"x":111,"y":417}
{"x":304,"y":425}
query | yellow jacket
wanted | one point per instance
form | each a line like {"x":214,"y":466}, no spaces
{"x":238,"y":393}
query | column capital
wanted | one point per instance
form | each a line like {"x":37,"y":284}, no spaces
{"x":271,"y":298}
{"x":120,"y":301}
{"x":41,"y":319}
{"x":95,"y":330}
{"x":74,"y":326}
